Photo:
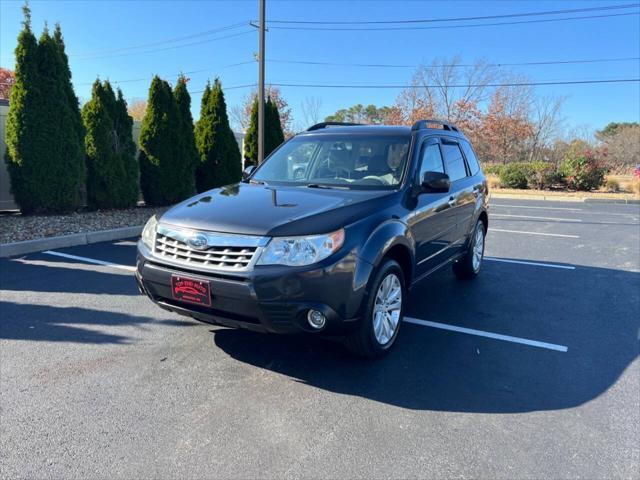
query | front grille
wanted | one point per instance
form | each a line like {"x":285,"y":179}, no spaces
{"x":215,"y":257}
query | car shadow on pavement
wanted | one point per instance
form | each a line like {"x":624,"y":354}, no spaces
{"x":46,"y":323}
{"x":592,"y":311}
{"x":41,"y":273}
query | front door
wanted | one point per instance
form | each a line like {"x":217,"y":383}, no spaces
{"x":432,"y":223}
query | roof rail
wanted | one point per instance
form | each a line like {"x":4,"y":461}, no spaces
{"x":421,"y":124}
{"x":319,"y":126}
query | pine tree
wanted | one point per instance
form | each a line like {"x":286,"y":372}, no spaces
{"x":65,"y":73}
{"x":273,"y":136}
{"x":251,"y":137}
{"x":220,"y":162}
{"x":186,"y":155}
{"x":110,"y":152}
{"x":123,"y":125}
{"x":24,"y":147}
{"x":45,"y":155}
{"x":167,"y":146}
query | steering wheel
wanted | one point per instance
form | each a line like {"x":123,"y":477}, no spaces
{"x":372,"y":180}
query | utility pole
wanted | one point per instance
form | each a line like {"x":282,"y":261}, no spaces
{"x":261,"y":84}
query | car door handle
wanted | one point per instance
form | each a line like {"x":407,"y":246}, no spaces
{"x":452,"y":201}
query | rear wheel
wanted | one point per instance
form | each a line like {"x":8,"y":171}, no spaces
{"x":469,"y":265}
{"x":383,"y":313}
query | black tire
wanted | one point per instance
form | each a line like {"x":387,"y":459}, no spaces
{"x":363,"y":341}
{"x":465,"y":268}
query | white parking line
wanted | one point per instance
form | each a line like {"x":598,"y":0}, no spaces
{"x":481,"y":333}
{"x":554,"y":219}
{"x":541,"y":208}
{"x":91,"y":260}
{"x":581,"y":210}
{"x":533,"y":233}
{"x":535,"y":264}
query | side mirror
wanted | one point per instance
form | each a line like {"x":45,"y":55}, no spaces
{"x":246,"y":173}
{"x":435,"y":182}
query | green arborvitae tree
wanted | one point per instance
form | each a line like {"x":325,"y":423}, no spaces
{"x":186,"y":155}
{"x":273,"y":133}
{"x":44,"y":160}
{"x":251,"y":137}
{"x":167,"y":162}
{"x":65,"y":73}
{"x":220,"y":162}
{"x":274,"y":136}
{"x":110,"y":152}
{"x":46,"y":156}
{"x":24,"y":146}
{"x":123,"y":126}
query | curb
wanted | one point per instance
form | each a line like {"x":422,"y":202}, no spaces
{"x":612,"y":200}
{"x":73,"y":240}
{"x":525,"y":196}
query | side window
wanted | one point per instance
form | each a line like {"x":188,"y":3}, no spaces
{"x":431,"y":160}
{"x":472,"y":161}
{"x":454,"y":160}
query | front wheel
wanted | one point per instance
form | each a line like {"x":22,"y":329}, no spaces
{"x":383,"y":313}
{"x":469,"y":265}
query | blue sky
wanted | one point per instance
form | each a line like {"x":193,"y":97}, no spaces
{"x":94,"y":29}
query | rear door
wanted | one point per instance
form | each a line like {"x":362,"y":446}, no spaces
{"x":432,"y":223}
{"x":462,"y":194}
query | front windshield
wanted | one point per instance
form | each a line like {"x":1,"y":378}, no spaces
{"x":338,"y":160}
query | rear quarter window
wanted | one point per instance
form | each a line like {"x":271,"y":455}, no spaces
{"x":472,"y":161}
{"x":454,"y":160}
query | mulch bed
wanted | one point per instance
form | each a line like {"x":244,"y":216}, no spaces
{"x":15,"y":227}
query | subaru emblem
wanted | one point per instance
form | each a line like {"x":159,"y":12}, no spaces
{"x":198,"y":242}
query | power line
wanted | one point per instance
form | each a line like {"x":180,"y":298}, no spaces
{"x":454,"y":65}
{"x":510,"y":84}
{"x":191,"y":72}
{"x":168,"y":48}
{"x":446,"y":27}
{"x":459,"y":19}
{"x":469,"y":85}
{"x":163,"y":42}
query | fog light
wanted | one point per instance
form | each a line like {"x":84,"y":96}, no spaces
{"x":316,"y":319}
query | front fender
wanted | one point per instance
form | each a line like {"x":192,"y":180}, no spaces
{"x":386,"y":236}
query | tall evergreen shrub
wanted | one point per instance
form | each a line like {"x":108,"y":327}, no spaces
{"x":219,"y":155}
{"x":45,"y":153}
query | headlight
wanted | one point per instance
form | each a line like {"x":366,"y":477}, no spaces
{"x":148,"y":236}
{"x":298,"y":251}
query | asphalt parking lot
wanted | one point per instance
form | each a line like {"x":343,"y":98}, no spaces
{"x":530,"y":371}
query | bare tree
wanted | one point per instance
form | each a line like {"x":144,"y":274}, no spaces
{"x":310,"y":108}
{"x":545,"y":114}
{"x":449,"y":86}
{"x":137,"y":109}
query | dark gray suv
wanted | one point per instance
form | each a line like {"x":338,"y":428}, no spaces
{"x":333,"y":249}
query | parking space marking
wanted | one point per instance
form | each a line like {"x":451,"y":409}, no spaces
{"x":533,"y":233}
{"x":534,"y":264}
{"x":541,"y":208}
{"x":581,"y":210}
{"x":553,"y":219}
{"x":91,"y":260}
{"x":481,"y":333}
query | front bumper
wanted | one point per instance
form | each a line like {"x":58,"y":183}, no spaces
{"x":269,"y":298}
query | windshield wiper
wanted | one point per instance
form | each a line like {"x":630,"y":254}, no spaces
{"x":328,"y":187}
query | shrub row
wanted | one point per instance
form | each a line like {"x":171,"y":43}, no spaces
{"x":56,"y":153}
{"x":580,"y":170}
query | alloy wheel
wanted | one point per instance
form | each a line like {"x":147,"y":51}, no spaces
{"x":387,"y":309}
{"x":478,"y":248}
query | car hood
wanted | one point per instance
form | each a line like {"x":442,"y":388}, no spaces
{"x":268,"y":210}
